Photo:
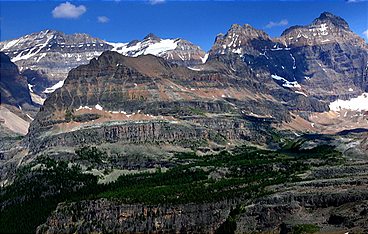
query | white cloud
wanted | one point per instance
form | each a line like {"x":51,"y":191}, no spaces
{"x":103,"y":19}
{"x":154,"y":2}
{"x":365,"y":33}
{"x":272,"y":24}
{"x":68,"y":11}
{"x":354,"y":1}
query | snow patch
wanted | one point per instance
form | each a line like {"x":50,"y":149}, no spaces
{"x":145,"y":47}
{"x":323,"y":29}
{"x":83,"y":107}
{"x":286,"y":83}
{"x":29,"y":117}
{"x":98,"y":107}
{"x":30,"y":88}
{"x":359,"y":103}
{"x":204,"y":59}
{"x":237,"y":51}
{"x":54,"y":87}
{"x":294,"y":62}
{"x":194,"y":69}
{"x":302,"y":93}
{"x":264,"y":54}
{"x":37,"y":99}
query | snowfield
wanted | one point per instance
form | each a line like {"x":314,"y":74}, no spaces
{"x":54,"y":87}
{"x":359,"y":103}
{"x":145,"y":47}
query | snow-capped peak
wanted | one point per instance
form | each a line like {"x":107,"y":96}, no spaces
{"x":151,"y":44}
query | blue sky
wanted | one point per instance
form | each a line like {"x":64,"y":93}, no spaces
{"x":196,"y":21}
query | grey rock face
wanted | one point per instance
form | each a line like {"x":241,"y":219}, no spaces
{"x":13,"y":86}
{"x":336,"y":58}
{"x":86,"y":217}
{"x":326,"y":58}
{"x":239,"y":40}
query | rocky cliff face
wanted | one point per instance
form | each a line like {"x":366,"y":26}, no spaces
{"x":336,"y":58}
{"x":17,"y":109}
{"x":13,"y":86}
{"x":17,"y":106}
{"x":137,"y":218}
{"x":325,"y":59}
{"x":146,"y":99}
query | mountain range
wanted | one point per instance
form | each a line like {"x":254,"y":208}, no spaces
{"x":45,"y":58}
{"x":268,"y":131}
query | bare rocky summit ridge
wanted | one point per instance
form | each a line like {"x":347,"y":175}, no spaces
{"x":177,"y":51}
{"x":46,"y":57}
{"x":325,"y":29}
{"x":325,"y":58}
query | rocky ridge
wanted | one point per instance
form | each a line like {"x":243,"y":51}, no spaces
{"x":147,"y":99}
{"x":46,"y":57}
{"x":178,"y":51}
{"x":325,"y":59}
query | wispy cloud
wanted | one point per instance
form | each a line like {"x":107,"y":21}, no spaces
{"x":282,"y":22}
{"x":103,"y":19}
{"x":68,"y":11}
{"x":365,"y":33}
{"x":155,"y":2}
{"x":354,"y":1}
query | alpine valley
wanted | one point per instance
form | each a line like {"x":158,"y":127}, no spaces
{"x":257,"y":135}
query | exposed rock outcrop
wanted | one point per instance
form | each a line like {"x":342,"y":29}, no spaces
{"x":135,"y":218}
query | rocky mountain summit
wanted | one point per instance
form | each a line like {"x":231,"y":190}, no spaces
{"x":178,"y":51}
{"x":326,"y":59}
{"x":46,"y":57}
{"x":325,"y":29}
{"x":326,"y":50}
